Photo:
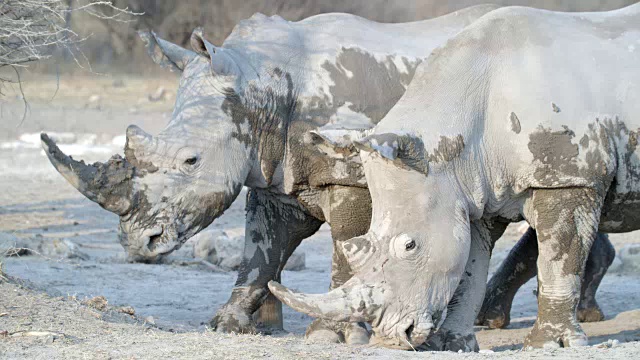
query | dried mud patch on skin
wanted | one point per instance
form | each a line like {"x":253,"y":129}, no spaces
{"x":356,"y":69}
{"x":449,"y":148}
{"x":555,"y":151}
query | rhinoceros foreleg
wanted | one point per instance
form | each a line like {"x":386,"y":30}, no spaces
{"x":600,"y":258}
{"x":275,"y":226}
{"x":456,"y":332}
{"x":349,"y":215}
{"x":566,"y":221}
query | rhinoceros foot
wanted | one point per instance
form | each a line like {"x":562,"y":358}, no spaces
{"x":495,"y":313}
{"x":552,"y":336}
{"x":445,"y":340}
{"x":591,"y":313}
{"x":324,"y":331}
{"x":233,"y":319}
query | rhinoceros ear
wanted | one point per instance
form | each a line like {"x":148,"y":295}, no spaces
{"x":336,"y":143}
{"x":221,"y":61}
{"x":164,"y":53}
{"x":403,"y":150}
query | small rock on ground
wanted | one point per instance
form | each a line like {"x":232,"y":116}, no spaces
{"x":61,"y":249}
{"x":98,"y":303}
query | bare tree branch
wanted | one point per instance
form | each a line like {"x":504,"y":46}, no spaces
{"x":31,"y":29}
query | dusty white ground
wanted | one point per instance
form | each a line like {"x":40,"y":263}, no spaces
{"x":36,"y":204}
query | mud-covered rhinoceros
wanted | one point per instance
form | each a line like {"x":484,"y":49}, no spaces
{"x":240,"y":117}
{"x":526,"y":114}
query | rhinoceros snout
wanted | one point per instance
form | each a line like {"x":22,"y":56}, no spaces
{"x":150,"y":246}
{"x":151,"y":239}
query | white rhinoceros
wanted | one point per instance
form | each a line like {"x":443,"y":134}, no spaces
{"x":526,"y":114}
{"x":240,"y":116}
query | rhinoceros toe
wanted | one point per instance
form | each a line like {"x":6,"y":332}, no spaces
{"x":590,"y":314}
{"x":554,"y":335}
{"x":494,"y":314}
{"x":229,"y":320}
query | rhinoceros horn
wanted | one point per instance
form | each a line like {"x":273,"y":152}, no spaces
{"x":353,"y":301}
{"x":108,"y":184}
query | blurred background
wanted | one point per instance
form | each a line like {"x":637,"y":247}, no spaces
{"x":114,"y":46}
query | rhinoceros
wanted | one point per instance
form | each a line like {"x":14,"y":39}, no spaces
{"x":525,"y":114}
{"x":241,"y":113}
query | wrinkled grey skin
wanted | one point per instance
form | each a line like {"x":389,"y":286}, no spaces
{"x":242,"y":111}
{"x":450,"y":166}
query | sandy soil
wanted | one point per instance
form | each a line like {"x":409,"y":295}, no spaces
{"x":173,"y":301}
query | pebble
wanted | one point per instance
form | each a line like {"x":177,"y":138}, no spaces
{"x":98,"y":303}
{"x":127,"y":310}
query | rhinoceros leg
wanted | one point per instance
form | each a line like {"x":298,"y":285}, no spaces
{"x":566,"y":221}
{"x":518,"y":268}
{"x":275,"y":226}
{"x":349,"y":216}
{"x":600,"y":258}
{"x":456,"y":332}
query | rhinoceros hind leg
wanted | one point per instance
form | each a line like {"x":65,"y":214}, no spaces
{"x":518,"y":268}
{"x":350,"y":215}
{"x":566,"y":221}
{"x":269,"y":315}
{"x":600,"y":258}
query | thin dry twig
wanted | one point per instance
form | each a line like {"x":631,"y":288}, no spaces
{"x":31,"y":29}
{"x":34,"y":333}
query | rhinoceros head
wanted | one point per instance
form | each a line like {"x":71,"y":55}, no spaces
{"x":170,"y":186}
{"x":407,"y":267}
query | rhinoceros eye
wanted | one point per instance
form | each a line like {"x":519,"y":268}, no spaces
{"x":191,"y":161}
{"x":410,"y":245}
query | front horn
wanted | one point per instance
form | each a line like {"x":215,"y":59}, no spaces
{"x":106,"y":184}
{"x":351,"y":302}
